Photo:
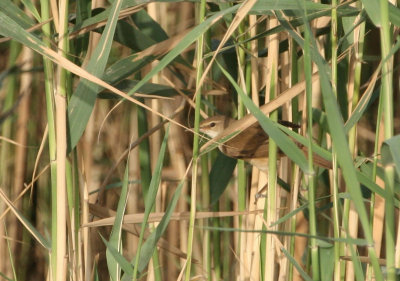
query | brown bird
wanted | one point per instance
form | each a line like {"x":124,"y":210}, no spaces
{"x":251,"y":145}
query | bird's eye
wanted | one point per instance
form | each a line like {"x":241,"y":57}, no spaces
{"x":212,"y":124}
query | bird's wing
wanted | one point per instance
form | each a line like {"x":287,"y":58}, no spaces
{"x":252,"y":142}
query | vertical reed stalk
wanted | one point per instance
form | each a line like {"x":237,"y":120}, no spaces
{"x":223,"y":251}
{"x":201,"y":9}
{"x":310,"y":179}
{"x":354,"y":94}
{"x":387,"y":98}
{"x":50,"y":103}
{"x":60,"y":217}
{"x":270,"y":211}
{"x":241,"y":168}
{"x":335,"y":175}
{"x":377,"y":203}
{"x":155,"y":139}
{"x":248,"y":255}
{"x":294,"y":73}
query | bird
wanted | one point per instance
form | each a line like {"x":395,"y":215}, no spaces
{"x":251,"y":144}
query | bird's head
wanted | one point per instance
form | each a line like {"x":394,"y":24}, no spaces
{"x":213,"y":126}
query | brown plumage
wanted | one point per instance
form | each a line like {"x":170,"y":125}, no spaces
{"x":251,"y":144}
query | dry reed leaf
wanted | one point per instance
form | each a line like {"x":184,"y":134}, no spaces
{"x":12,"y":239}
{"x":13,"y":142}
{"x":240,"y":15}
{"x":185,"y":97}
{"x":27,"y":187}
{"x":180,"y":277}
{"x":256,"y":21}
{"x":70,"y":66}
{"x":30,"y":29}
{"x":253,"y":53}
{"x":191,"y":73}
{"x":54,"y":12}
{"x":123,"y":14}
{"x":215,"y":92}
{"x":363,"y":259}
{"x":162,"y":47}
{"x":18,"y":215}
{"x":369,"y":90}
{"x":156,"y":217}
{"x":41,"y":149}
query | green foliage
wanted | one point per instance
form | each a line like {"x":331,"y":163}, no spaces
{"x":354,"y":93}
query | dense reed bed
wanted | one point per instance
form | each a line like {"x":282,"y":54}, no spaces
{"x":105,"y":176}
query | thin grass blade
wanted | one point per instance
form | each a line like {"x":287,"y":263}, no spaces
{"x":149,"y":203}
{"x":29,"y":227}
{"x":116,"y":232}
{"x":151,"y":242}
{"x":82,"y":101}
{"x":20,"y":17}
{"x":122,"y":262}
